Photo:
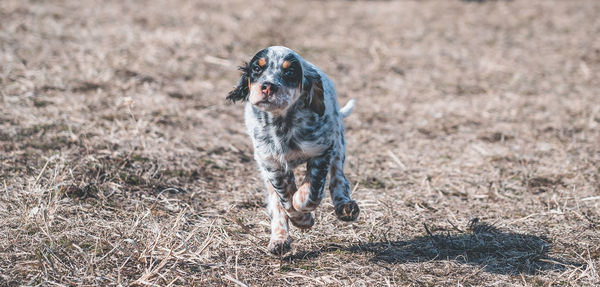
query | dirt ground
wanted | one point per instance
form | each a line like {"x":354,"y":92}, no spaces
{"x":473,"y":151}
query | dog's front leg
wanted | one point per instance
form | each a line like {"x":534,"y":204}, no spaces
{"x":281,"y":187}
{"x":280,"y":238}
{"x":309,"y":195}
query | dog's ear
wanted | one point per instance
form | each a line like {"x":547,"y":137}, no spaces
{"x":240,"y":92}
{"x":313,"y":87}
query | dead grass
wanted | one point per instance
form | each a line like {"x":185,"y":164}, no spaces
{"x":473,"y":148}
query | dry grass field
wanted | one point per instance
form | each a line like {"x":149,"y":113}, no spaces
{"x":473,"y":151}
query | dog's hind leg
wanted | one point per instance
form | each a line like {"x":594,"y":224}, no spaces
{"x":346,"y":209}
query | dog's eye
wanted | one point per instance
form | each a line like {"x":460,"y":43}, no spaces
{"x":289,"y":73}
{"x":257,"y":68}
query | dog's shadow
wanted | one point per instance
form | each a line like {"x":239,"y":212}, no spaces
{"x":482,"y":245}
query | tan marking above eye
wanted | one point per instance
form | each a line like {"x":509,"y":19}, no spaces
{"x":286,"y":64}
{"x":262,"y":62}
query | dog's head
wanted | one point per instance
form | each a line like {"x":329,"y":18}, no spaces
{"x":275,"y":79}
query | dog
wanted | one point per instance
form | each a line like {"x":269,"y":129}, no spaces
{"x":292,"y":117}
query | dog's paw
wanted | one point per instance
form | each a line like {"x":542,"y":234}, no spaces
{"x":305,"y":221}
{"x":279,"y":247}
{"x":302,"y":202}
{"x":347,"y":211}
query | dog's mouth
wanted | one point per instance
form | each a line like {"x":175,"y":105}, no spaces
{"x":267,"y":104}
{"x":270,"y":101}
{"x":263,"y":103}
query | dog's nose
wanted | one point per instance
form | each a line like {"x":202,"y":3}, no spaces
{"x":269,"y":88}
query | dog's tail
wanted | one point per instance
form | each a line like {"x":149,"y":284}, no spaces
{"x":347,"y":109}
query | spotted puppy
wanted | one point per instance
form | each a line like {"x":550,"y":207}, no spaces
{"x":292,"y":116}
